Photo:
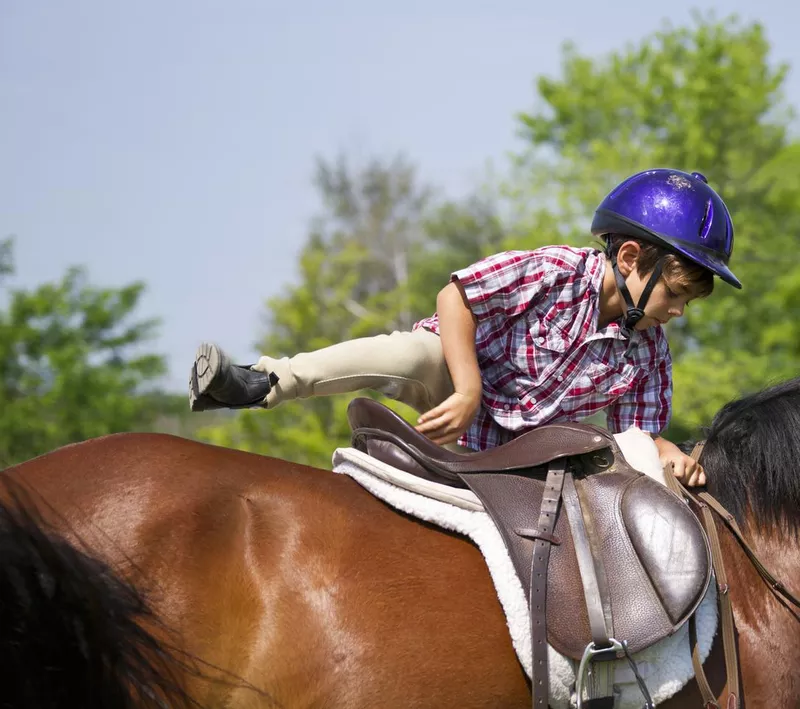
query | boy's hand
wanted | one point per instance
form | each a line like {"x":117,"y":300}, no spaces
{"x":684,"y":467}
{"x":446,"y":422}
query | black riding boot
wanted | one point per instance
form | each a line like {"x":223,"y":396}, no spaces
{"x":215,"y":383}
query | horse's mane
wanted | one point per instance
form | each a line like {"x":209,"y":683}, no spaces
{"x":72,"y":632}
{"x":752,"y":458}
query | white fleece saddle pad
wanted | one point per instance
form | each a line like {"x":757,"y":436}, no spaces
{"x":665,"y":666}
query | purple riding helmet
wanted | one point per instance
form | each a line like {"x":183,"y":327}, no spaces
{"x":676,"y":210}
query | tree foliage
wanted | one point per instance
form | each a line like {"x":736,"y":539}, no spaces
{"x":72,"y":365}
{"x":703,"y":97}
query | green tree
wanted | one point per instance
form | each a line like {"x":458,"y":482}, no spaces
{"x":353,"y":283}
{"x":704,"y":97}
{"x":457,"y":234}
{"x":72,"y":365}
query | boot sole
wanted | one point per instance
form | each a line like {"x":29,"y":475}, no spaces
{"x":206,"y":367}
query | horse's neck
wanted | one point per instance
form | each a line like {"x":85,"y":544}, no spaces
{"x":779,"y":553}
{"x":757,"y":609}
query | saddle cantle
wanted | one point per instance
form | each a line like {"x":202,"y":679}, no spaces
{"x":627,"y":563}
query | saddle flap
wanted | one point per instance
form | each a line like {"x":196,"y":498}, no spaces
{"x":670,"y":544}
{"x":651,"y":550}
{"x":637,"y":522}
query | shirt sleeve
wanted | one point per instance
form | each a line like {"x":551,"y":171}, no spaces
{"x":648,"y":405}
{"x":504,"y":284}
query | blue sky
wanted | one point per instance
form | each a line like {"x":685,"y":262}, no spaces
{"x":174,"y":142}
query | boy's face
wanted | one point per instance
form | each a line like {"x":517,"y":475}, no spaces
{"x":667,"y":300}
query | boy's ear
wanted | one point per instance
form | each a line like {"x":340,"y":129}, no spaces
{"x":627,"y":256}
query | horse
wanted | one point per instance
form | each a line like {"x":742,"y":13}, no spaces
{"x":228,"y":579}
{"x":74,"y":631}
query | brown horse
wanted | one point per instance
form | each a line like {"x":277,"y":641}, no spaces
{"x":279,"y":585}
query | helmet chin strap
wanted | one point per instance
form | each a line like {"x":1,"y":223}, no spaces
{"x":635,"y":312}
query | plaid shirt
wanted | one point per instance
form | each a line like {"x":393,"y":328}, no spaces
{"x":541,"y":355}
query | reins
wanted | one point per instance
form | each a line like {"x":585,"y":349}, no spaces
{"x":707,"y":506}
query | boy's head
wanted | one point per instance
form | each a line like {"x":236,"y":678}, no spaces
{"x":676,"y":270}
{"x":679,"y":231}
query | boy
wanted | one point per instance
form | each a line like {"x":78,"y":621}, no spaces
{"x":525,"y":338}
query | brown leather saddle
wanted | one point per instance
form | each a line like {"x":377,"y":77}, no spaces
{"x":611,"y":560}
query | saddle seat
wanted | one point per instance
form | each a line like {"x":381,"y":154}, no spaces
{"x":381,"y":432}
{"x":628,"y":562}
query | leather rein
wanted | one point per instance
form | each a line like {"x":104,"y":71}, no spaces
{"x":708,"y":505}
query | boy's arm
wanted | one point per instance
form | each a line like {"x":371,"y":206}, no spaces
{"x":502,"y":285}
{"x":457,"y":328}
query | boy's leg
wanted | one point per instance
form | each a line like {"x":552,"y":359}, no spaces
{"x":407,"y":366}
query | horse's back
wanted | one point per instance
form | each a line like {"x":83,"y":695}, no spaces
{"x":265,"y":567}
{"x":163,"y":502}
{"x":201,"y":528}
{"x":123,"y":460}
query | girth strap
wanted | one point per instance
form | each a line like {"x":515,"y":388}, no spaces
{"x":540,"y":684}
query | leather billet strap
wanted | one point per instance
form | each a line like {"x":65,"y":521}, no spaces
{"x":595,"y":590}
{"x":540,"y":680}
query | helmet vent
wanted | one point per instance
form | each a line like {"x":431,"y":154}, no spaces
{"x":708,"y":218}
{"x":728,"y":235}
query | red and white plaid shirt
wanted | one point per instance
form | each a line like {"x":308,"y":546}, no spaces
{"x":542,"y":358}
